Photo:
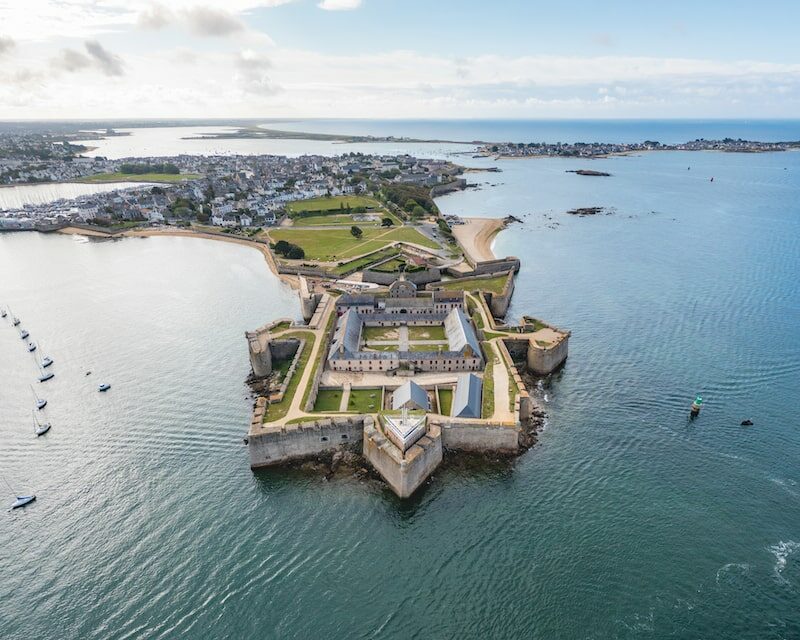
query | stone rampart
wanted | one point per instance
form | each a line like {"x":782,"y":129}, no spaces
{"x":273,"y":445}
{"x":479,"y":435}
{"x":419,"y":278}
{"x":404,"y":473}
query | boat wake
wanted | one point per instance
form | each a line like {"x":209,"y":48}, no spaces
{"x":782,"y":552}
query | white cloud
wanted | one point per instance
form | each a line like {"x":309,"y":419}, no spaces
{"x":339,"y":5}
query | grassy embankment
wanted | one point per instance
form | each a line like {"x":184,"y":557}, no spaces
{"x":360,"y":263}
{"x":278,"y":410}
{"x":139,"y":177}
{"x":329,"y":245}
{"x":487,"y":405}
{"x":492,"y":285}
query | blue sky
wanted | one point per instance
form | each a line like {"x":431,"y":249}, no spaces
{"x":398,"y":58}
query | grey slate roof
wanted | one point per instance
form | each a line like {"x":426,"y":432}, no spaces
{"x":460,"y":332}
{"x":347,"y":335}
{"x":467,"y":397}
{"x":411,"y":396}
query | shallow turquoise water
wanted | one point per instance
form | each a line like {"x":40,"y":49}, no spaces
{"x":626,"y":521}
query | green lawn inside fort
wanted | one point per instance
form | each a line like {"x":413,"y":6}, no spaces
{"x":434,"y":332}
{"x":445,"y":401}
{"x":328,"y":245}
{"x":140,"y":177}
{"x":328,"y":400}
{"x":332,"y":203}
{"x":492,"y":285}
{"x":364,"y":400}
{"x":379,"y":333}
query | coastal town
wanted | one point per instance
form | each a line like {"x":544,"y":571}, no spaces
{"x":601,"y":149}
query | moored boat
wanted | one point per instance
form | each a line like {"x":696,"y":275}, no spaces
{"x":21,"y":501}
{"x":41,"y":403}
{"x":40,"y":428}
{"x":104,"y":387}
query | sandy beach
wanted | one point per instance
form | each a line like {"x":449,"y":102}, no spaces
{"x":476,"y":235}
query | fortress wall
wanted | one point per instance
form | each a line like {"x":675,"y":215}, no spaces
{"x":419,"y":278}
{"x":274,"y":445}
{"x":542,"y":361}
{"x":403,"y":473}
{"x":301,"y":345}
{"x":283,"y":348}
{"x":498,"y":303}
{"x":487,"y":267}
{"x":479,"y":436}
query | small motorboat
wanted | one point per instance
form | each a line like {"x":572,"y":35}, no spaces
{"x":24,"y":334}
{"x":14,"y":319}
{"x":21,"y":501}
{"x":104,"y":387}
{"x":31,"y":346}
{"x":40,"y":428}
{"x":41,"y":403}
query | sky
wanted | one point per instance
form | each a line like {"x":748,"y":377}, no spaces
{"x":92,"y":59}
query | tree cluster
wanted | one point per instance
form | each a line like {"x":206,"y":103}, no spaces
{"x":288,"y":250}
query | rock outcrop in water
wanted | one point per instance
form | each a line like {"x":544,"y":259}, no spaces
{"x":588,"y":172}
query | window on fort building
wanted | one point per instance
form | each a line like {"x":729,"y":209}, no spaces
{"x":323,"y":438}
{"x":344,"y":436}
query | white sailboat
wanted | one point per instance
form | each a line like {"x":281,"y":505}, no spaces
{"x":44,"y":375}
{"x":23,"y":333}
{"x":3,"y":313}
{"x":41,"y":403}
{"x":46,"y":360}
{"x":31,"y":346}
{"x":39,"y":428}
{"x":14,"y":319}
{"x":20,"y":501}
{"x":104,"y":387}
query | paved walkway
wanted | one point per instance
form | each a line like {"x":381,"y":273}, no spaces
{"x":295,"y":409}
{"x":501,"y":387}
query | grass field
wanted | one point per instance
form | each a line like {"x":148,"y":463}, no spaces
{"x":445,"y":401}
{"x":334,"y":219}
{"x":335,"y":202}
{"x":435,"y":332}
{"x":279,"y":409}
{"x":328,"y":245}
{"x":140,"y":177}
{"x":364,"y":400}
{"x":494,"y":285}
{"x":328,"y":400}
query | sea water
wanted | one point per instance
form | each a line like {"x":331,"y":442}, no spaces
{"x":627,"y":520}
